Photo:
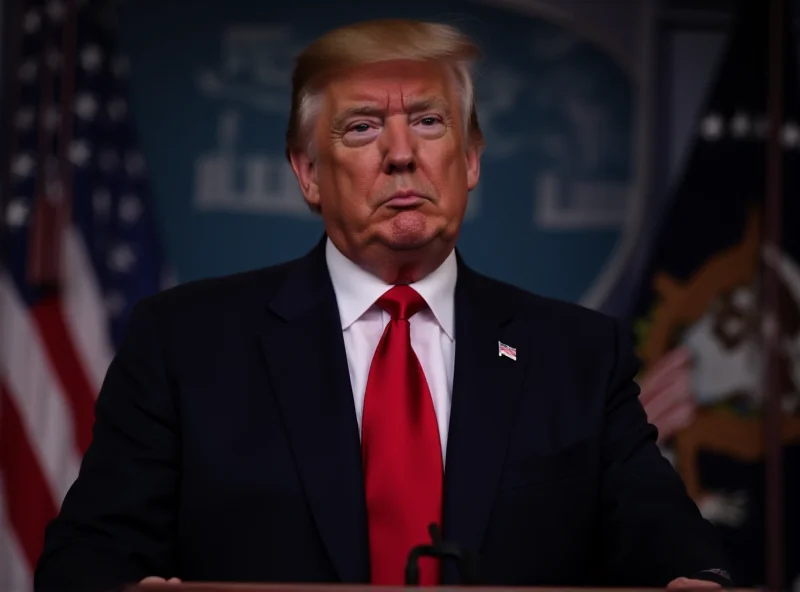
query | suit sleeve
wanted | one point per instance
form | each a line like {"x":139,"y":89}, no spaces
{"x":118,"y":521}
{"x":652,"y":530}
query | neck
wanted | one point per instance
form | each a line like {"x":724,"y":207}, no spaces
{"x":404,"y":268}
{"x":399,"y":266}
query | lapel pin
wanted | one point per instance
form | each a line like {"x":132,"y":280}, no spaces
{"x":507,"y":351}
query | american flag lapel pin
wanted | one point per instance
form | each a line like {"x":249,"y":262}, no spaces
{"x":507,"y":351}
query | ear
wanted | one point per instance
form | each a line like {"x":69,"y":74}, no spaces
{"x":473,"y":156}
{"x":305,"y":170}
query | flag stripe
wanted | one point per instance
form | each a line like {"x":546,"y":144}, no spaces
{"x":667,"y":366}
{"x":69,"y":371}
{"x":85,"y":312}
{"x":29,"y":504}
{"x":37,"y":396}
{"x":668,"y":408}
{"x":673,"y":394}
{"x":14,"y":568}
{"x":678,"y":417}
{"x":664,"y":373}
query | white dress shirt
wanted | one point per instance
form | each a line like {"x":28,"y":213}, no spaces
{"x":432,"y":329}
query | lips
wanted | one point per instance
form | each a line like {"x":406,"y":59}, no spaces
{"x":405,"y":199}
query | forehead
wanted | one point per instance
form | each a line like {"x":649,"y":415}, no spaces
{"x":390,"y":81}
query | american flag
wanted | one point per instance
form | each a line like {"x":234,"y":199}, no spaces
{"x":506,"y":350}
{"x":78,"y":248}
{"x":666,"y":393}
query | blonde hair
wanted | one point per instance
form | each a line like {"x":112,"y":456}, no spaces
{"x":378,"y":41}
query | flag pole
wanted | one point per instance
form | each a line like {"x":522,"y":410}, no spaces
{"x":772,"y":333}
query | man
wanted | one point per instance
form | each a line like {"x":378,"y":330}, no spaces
{"x":308,"y":422}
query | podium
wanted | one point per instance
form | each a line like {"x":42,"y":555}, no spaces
{"x":238,"y":587}
{"x":466,"y":561}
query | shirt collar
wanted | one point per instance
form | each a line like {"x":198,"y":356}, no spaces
{"x":357,"y":290}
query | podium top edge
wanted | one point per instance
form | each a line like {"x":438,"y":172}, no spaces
{"x":335,"y":587}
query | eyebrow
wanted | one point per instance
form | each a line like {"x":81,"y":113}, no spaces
{"x":412,"y":106}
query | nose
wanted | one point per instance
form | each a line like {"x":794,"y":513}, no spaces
{"x":399,"y":146}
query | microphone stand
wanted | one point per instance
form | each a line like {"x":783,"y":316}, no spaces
{"x":467,"y":561}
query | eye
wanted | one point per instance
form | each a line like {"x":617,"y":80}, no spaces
{"x":361,"y":133}
{"x":359,"y":128}
{"x":429,"y":120}
{"x":430,"y":126}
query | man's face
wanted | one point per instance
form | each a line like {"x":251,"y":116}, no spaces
{"x":392,"y":167}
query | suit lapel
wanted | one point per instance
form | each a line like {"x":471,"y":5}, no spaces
{"x":307,"y":365}
{"x":486,"y":388}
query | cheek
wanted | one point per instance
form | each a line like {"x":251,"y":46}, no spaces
{"x":355,"y":173}
{"x":446,"y":168}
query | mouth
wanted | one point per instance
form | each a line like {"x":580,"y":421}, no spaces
{"x":405,"y":199}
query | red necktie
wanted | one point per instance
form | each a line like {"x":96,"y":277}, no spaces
{"x":401,"y":449}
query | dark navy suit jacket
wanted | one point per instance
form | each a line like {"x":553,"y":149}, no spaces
{"x":226,"y":447}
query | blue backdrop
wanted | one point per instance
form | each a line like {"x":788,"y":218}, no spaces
{"x":210,"y":95}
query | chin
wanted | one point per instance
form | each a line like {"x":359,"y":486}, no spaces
{"x":408,"y":243}
{"x":408,"y":231}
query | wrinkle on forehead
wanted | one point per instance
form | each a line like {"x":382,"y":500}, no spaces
{"x":414,"y":104}
{"x":379,"y":96}
{"x":383,"y":81}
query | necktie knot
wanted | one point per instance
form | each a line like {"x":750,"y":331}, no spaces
{"x":402,"y":302}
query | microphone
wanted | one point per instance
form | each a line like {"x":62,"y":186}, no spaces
{"x":467,"y":560}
